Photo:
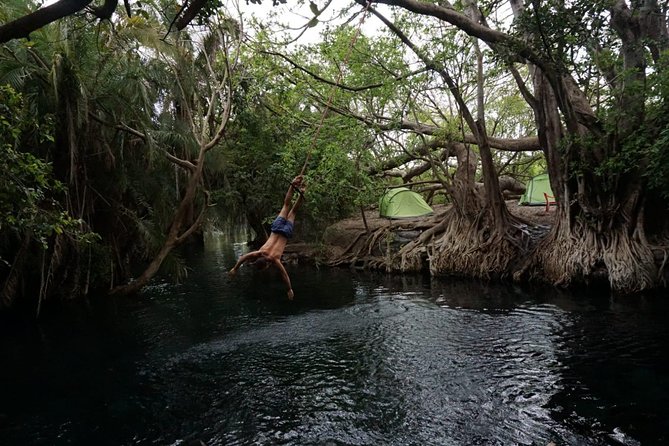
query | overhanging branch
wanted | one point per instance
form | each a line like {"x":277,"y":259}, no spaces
{"x":105,"y":11}
{"x":189,"y":13}
{"x":522,"y":144}
{"x":23,"y":26}
{"x":335,"y":84}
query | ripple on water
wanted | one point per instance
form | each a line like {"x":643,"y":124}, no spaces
{"x":368,"y":361}
{"x":393,"y":366}
{"x":385,"y":368}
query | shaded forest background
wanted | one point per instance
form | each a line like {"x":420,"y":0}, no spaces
{"x":127,"y":130}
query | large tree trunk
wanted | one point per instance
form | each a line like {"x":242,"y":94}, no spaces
{"x":599,"y":230}
{"x":478,"y":237}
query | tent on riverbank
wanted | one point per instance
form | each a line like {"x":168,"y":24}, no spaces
{"x":400,"y":202}
{"x":536,"y":188}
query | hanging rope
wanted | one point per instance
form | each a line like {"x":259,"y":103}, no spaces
{"x":334,"y":87}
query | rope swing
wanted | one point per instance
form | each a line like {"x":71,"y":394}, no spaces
{"x":328,"y":104}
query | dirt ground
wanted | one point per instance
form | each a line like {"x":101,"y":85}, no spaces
{"x":535,"y":215}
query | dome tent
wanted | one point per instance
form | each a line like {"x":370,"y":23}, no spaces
{"x":400,"y":202}
{"x":534,"y":194}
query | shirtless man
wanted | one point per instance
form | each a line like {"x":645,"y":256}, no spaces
{"x":270,"y":253}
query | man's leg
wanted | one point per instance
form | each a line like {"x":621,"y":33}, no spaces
{"x":296,"y":206}
{"x":285,"y":209}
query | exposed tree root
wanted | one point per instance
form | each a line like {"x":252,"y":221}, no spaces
{"x":355,"y":240}
{"x":455,"y":245}
{"x":475,"y":249}
{"x":580,"y":255}
{"x":360,"y":250}
{"x":410,"y":258}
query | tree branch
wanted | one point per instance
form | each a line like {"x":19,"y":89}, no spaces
{"x":123,"y":127}
{"x":226,"y":100}
{"x":105,"y":11}
{"x":523,"y":144}
{"x":335,"y":84}
{"x":128,"y":11}
{"x":23,"y":26}
{"x":169,"y":28}
{"x":423,"y":149}
{"x":448,"y":14}
{"x":178,"y":161}
{"x":189,"y":13}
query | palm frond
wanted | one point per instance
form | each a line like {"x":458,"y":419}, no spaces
{"x":14,"y":75}
{"x":174,"y":266}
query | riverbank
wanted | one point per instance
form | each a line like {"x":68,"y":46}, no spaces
{"x":344,"y":241}
{"x":376,"y":243}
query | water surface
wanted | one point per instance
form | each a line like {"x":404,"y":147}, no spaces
{"x":355,"y":359}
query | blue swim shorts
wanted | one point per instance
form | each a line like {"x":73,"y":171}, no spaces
{"x":283,"y":227}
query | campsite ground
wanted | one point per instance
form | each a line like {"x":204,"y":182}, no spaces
{"x":535,"y":215}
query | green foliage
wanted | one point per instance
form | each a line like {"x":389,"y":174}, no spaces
{"x":658,"y":168}
{"x":250,"y":164}
{"x":265,"y":152}
{"x":28,"y":191}
{"x":337,"y":187}
{"x":269,"y":139}
{"x":557,"y":26}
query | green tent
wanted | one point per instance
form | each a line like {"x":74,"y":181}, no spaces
{"x":400,"y":202}
{"x":534,"y":194}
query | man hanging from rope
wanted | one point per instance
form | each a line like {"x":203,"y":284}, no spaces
{"x":270,"y":253}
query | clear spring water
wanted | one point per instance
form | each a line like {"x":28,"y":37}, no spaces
{"x":356,"y":359}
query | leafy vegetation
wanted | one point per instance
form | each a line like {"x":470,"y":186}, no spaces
{"x":152,"y":124}
{"x":29,"y":194}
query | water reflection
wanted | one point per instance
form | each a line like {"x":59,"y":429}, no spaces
{"x":355,"y":359}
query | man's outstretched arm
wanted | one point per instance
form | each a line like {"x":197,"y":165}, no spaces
{"x":286,"y":279}
{"x":242,"y":259}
